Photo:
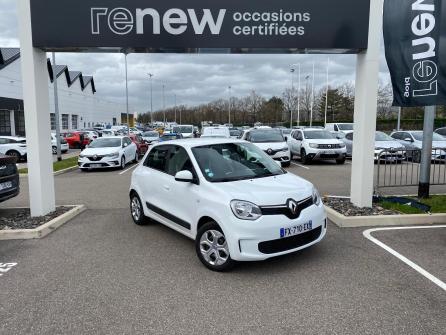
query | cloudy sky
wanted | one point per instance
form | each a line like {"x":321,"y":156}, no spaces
{"x":193,"y":78}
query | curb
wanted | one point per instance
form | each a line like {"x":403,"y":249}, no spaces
{"x":43,"y":230}
{"x":72,"y":168}
{"x":383,"y":220}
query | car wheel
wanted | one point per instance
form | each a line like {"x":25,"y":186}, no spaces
{"x":122,"y":162}
{"x":340,"y":161}
{"x":286,"y":164}
{"x":212,"y":248}
{"x":136,"y":210}
{"x":54,"y":149}
{"x":304,"y":158}
{"x":14,"y":153}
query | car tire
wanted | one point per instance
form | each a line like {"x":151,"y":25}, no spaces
{"x":122,"y":166}
{"x":340,"y":161}
{"x":212,"y":248}
{"x":14,"y":153}
{"x":304,"y":158}
{"x":137,"y":211}
{"x":286,"y":164}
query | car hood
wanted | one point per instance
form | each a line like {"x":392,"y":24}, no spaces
{"x":269,"y":191}
{"x":100,"y":151}
{"x":388,"y":145}
{"x":271,"y":145}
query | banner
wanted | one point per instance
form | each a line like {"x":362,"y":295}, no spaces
{"x":238,"y":26}
{"x":414,"y":41}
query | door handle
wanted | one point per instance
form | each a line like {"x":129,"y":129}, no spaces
{"x":167,"y":188}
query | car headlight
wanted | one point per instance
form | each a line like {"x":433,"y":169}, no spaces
{"x":313,"y":145}
{"x":113,"y":155}
{"x":316,"y":197}
{"x":81,"y":156}
{"x":245,"y":210}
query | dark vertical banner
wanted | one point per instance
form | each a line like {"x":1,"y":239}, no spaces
{"x":415,"y":45}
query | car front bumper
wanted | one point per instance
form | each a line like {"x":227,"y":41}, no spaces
{"x":103,"y":163}
{"x":326,"y":154}
{"x":260,"y":239}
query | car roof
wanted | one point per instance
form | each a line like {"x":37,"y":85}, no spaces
{"x":198,"y":142}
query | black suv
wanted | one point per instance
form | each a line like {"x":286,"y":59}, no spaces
{"x":9,"y":178}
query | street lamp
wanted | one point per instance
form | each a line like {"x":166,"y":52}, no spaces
{"x":164,"y":106}
{"x":229,"y":111}
{"x":127,"y":93}
{"x":151,"y":99}
{"x":298,"y":93}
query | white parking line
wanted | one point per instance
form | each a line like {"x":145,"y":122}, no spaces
{"x":134,"y":165}
{"x":305,"y":167}
{"x":435,"y":280}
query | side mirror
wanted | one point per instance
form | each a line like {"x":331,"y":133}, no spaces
{"x":408,"y":139}
{"x":184,"y":176}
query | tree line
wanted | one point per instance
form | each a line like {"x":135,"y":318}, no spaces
{"x":277,"y":110}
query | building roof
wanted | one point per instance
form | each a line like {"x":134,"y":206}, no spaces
{"x":9,"y":55}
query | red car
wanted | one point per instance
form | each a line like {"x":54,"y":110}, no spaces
{"x":76,"y":139}
{"x":141,"y":145}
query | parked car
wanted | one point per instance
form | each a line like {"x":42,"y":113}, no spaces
{"x":134,"y":130}
{"x":108,"y":152}
{"x":235,"y":133}
{"x":141,"y":145}
{"x":221,"y":131}
{"x":63,"y":144}
{"x":90,"y":134}
{"x":151,"y":136}
{"x":386,"y":148}
{"x":9,"y":177}
{"x":316,"y":144}
{"x":441,"y":131}
{"x":76,"y":139}
{"x":186,"y":130}
{"x":13,"y":146}
{"x":170,"y":136}
{"x":236,"y":202}
{"x":339,"y":127}
{"x":270,"y":141}
{"x":415,"y":137}
{"x":108,"y":133}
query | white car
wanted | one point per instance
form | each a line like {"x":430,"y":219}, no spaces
{"x":108,"y":133}
{"x":151,"y":136}
{"x":187,"y":130}
{"x":222,"y":132}
{"x":63,"y":144}
{"x":134,"y":130}
{"x":108,"y":152}
{"x":339,"y":127}
{"x":271,"y":141}
{"x":415,"y":137}
{"x":316,"y":144}
{"x":13,"y":146}
{"x":228,"y":196}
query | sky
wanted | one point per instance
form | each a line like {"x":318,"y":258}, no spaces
{"x":192,"y":78}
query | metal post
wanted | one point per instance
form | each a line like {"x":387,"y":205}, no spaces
{"x":56,"y":111}
{"x":37,"y":119}
{"x":298,"y":100}
{"x":127,"y":94}
{"x":366,"y":95}
{"x":292,"y":97}
{"x":426,"y":152}
{"x":398,"y":125}
{"x":175,"y":100}
{"x":312,"y":98}
{"x":326,"y":94}
{"x":229,"y":109}
{"x":151,"y":99}
{"x":164,"y":108}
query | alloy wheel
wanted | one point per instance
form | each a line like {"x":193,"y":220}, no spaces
{"x":214,"y":248}
{"x":135,"y":208}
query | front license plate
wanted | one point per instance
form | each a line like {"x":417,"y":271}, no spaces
{"x":296,"y":230}
{"x":5,"y":185}
{"x":96,"y":165}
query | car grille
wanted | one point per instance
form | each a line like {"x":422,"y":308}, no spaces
{"x":284,"y":210}
{"x":7,"y":170}
{"x":95,"y":158}
{"x":329,"y":155}
{"x":288,"y":243}
{"x":329,"y":146}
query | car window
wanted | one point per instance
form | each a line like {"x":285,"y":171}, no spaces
{"x":336,"y":128}
{"x":441,"y":131}
{"x":396,"y":136}
{"x":178,"y":161}
{"x":299,"y":136}
{"x":157,"y":158}
{"x":349,"y":136}
{"x":3,"y":141}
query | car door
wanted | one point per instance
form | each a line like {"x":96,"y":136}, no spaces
{"x":183,"y":196}
{"x":348,"y":140}
{"x":128,"y":149}
{"x":299,"y":140}
{"x":292,"y":141}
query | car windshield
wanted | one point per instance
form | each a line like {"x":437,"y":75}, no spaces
{"x":380,"y":136}
{"x":345,"y":126}
{"x":266,"y":136}
{"x":235,"y":132}
{"x":234,"y":161}
{"x":183,"y":129}
{"x":151,"y":134}
{"x":418,"y":135}
{"x":105,"y":143}
{"x":318,"y":134}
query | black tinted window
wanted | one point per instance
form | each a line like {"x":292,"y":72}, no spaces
{"x":442,"y":131}
{"x":178,"y":161}
{"x":157,"y":158}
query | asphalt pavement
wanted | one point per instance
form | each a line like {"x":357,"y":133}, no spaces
{"x":102,"y":274}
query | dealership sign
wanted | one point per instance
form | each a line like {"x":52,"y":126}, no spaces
{"x":414,"y":34}
{"x":185,"y":26}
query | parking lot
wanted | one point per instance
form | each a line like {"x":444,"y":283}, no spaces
{"x":100,"y":273}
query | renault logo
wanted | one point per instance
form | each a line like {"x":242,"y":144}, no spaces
{"x":95,"y":156}
{"x":269,"y":151}
{"x":292,"y":206}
